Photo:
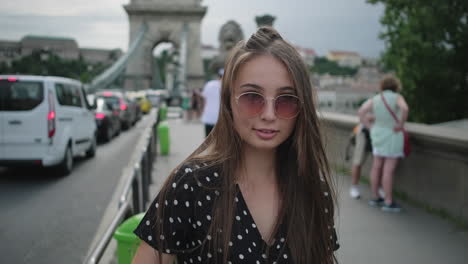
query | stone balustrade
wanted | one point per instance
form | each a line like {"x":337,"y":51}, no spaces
{"x":436,"y":172}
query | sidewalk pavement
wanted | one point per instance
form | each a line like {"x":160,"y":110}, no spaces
{"x":367,"y":235}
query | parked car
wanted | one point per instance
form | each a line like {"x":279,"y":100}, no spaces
{"x":142,"y":100}
{"x":127,"y":109}
{"x":107,"y":119}
{"x":133,"y":103}
{"x":144,"y":103}
{"x":44,"y":121}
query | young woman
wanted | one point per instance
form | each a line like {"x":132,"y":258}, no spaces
{"x":387,"y":139}
{"x":258,"y":189}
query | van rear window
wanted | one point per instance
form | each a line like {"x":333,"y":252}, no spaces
{"x":20,"y":95}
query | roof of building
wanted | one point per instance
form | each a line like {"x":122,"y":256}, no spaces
{"x":307,"y":51}
{"x":47,"y":38}
{"x":343,"y":53}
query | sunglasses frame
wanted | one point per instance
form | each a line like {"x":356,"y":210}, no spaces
{"x":270,"y":99}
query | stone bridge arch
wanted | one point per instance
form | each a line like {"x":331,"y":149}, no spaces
{"x":166,"y":20}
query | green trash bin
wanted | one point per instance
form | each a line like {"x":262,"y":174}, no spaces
{"x":162,"y":113}
{"x":127,"y":241}
{"x":164,"y":139}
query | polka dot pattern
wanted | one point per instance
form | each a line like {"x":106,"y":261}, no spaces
{"x":187,"y":218}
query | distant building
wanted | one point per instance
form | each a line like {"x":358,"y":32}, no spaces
{"x":345,"y":58}
{"x":308,"y":55}
{"x":345,"y":94}
{"x":66,"y":48}
{"x":9,"y":51}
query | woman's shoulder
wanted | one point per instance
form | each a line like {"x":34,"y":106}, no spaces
{"x":190,"y":183}
{"x":197,"y":173}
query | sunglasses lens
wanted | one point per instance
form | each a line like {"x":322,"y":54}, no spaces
{"x":251,"y":103}
{"x":287,"y":106}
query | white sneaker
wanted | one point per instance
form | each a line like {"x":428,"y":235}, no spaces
{"x":354,"y":192}
{"x":381,"y":192}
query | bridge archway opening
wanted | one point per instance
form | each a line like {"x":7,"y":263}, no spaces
{"x":164,"y":61}
{"x":178,"y":23}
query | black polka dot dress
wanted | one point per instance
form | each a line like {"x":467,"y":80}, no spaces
{"x":187,"y":218}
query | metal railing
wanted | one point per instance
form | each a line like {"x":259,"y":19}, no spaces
{"x":136,"y":185}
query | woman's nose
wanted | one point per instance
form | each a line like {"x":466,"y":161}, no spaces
{"x":268,"y":112}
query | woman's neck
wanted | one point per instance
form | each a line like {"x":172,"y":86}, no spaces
{"x":258,"y":167}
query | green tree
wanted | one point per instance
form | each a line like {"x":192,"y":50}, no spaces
{"x":47,"y":63}
{"x":427,"y":47}
{"x":4,"y":68}
{"x":322,"y":66}
{"x":265,"y":20}
{"x":165,"y":58}
{"x":209,"y":72}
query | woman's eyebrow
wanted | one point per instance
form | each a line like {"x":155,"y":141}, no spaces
{"x":251,"y":85}
{"x":286,"y":89}
{"x":258,"y":87}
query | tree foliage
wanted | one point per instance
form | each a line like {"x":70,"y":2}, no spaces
{"x":41,"y":63}
{"x":322,"y":66}
{"x":163,"y":60}
{"x":265,"y":20}
{"x":427,"y":47}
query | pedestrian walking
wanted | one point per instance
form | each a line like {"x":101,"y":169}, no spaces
{"x":361,"y":141}
{"x":258,"y":188}
{"x":211,"y":96}
{"x":387,"y":139}
{"x":194,"y":111}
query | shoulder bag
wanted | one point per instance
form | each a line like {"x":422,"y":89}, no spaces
{"x":406,"y":143}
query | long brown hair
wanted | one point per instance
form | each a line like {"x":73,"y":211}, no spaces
{"x":304,"y":181}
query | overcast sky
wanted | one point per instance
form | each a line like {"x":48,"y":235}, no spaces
{"x":322,"y":25}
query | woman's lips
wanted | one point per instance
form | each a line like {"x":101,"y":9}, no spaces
{"x":266,"y":134}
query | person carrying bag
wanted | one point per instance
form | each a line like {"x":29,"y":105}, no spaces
{"x":388,"y":145}
{"x":406,"y":142}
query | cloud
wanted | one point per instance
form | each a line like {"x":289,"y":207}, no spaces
{"x":64,"y":8}
{"x":321,"y":25}
{"x":91,"y":31}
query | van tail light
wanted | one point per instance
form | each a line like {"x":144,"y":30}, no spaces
{"x":51,"y":116}
{"x":100,"y":115}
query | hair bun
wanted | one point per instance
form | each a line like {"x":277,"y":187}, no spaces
{"x":269,"y":32}
{"x":263,"y":38}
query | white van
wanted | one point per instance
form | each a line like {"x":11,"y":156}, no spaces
{"x":44,"y":121}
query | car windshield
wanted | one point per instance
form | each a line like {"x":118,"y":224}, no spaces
{"x":20,"y":95}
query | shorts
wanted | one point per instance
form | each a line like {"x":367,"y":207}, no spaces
{"x":360,"y":153}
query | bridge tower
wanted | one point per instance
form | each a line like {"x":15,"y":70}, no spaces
{"x":174,"y":21}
